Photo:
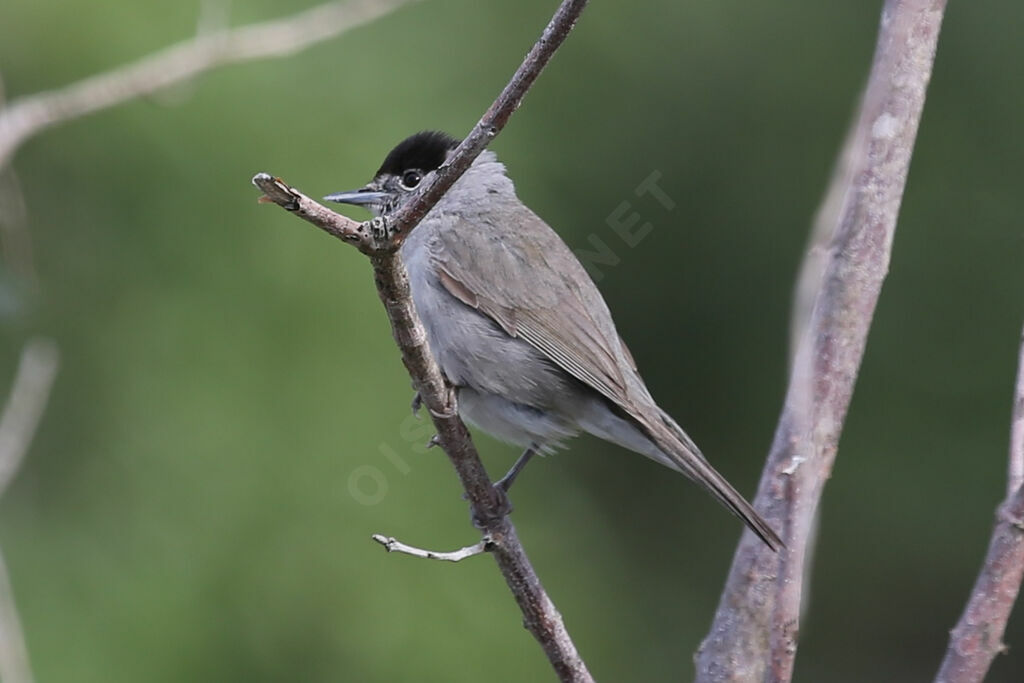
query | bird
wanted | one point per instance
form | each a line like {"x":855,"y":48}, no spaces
{"x":517,"y":325}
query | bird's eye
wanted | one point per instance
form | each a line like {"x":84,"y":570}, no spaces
{"x":411,"y":179}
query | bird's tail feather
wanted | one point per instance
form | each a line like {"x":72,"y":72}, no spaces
{"x":653,"y":433}
{"x":682,"y":454}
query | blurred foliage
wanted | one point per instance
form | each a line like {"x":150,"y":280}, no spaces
{"x":186,"y":510}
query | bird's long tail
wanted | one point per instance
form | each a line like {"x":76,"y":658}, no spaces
{"x":682,"y":454}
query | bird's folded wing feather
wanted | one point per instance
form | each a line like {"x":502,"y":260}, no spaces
{"x":531,"y":284}
{"x":527,"y":280}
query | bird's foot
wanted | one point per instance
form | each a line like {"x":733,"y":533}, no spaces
{"x":500,"y":508}
{"x":503,"y":506}
{"x":450,"y":404}
{"x":417,"y":403}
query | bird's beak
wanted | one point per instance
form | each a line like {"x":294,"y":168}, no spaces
{"x":367,"y":196}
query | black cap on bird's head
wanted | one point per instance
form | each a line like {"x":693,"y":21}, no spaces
{"x":424,"y":151}
{"x":402,"y":170}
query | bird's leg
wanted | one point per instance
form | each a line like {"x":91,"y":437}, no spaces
{"x":501,"y":487}
{"x":505,"y":483}
{"x":502,"y":508}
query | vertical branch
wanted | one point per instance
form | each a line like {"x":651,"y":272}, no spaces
{"x":14,"y":662}
{"x":755,"y":631}
{"x":978,"y":637}
{"x":29,"y":395}
{"x":31,"y":390}
{"x":1015,"y":478}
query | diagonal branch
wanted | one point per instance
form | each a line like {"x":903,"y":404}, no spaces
{"x":978,"y":636}
{"x":754,"y":634}
{"x":380,"y":239}
{"x":493,"y":120}
{"x":29,"y":115}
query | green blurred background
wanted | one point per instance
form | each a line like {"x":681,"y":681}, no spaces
{"x":186,"y":511}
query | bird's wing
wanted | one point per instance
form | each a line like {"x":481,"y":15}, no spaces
{"x":525,"y":278}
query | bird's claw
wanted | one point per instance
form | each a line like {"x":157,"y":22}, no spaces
{"x":451,"y":405}
{"x":417,"y":403}
{"x":501,"y":508}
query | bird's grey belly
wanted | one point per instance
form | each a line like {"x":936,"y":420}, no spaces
{"x":506,"y":387}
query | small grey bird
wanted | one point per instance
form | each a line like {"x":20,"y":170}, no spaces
{"x":517,"y":325}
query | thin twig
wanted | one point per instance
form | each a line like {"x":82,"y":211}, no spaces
{"x":380,"y":240}
{"x":30,"y":392}
{"x":754,"y":634}
{"x":278,"y":192}
{"x":393,"y":545}
{"x":978,"y":637}
{"x":28,"y":115}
